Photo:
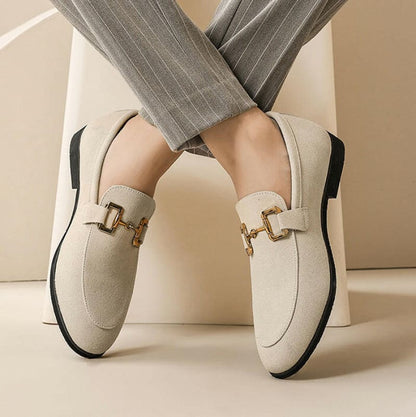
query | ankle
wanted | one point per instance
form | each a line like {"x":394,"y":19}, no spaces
{"x":252,"y":150}
{"x":260,"y":145}
{"x":137,"y":158}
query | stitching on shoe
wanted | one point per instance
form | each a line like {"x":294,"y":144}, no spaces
{"x":299,"y":165}
{"x":295,"y":251}
{"x":84,"y":296}
{"x":126,"y":188}
{"x":115,"y":129}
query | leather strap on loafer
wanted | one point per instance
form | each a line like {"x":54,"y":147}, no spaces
{"x":94,"y":213}
{"x":296,"y":219}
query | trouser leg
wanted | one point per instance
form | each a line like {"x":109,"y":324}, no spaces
{"x":176,"y":72}
{"x":260,"y":39}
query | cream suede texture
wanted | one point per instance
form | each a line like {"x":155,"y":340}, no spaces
{"x":95,"y":271}
{"x":110,"y":261}
{"x":291,"y":276}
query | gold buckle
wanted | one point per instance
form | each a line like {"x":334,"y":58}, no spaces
{"x":267,"y":227}
{"x":117,"y":221}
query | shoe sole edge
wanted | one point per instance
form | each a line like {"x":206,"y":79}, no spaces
{"x":333,"y":179}
{"x":74,"y":155}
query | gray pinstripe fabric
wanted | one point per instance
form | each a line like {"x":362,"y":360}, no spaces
{"x":189,"y":80}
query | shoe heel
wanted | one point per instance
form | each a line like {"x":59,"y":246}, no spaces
{"x":335,"y":166}
{"x":74,"y":158}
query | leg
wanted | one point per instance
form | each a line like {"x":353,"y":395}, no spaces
{"x":253,"y":157}
{"x":261,"y":39}
{"x":242,"y":18}
{"x":132,"y":159}
{"x":179,"y":76}
{"x":233,"y":26}
{"x":186,"y":99}
{"x":236,"y":30}
{"x":280,"y":28}
{"x":232,"y":19}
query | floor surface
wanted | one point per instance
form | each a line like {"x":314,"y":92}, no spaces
{"x":367,"y":369}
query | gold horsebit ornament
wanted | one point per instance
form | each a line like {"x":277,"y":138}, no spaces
{"x":117,"y":221}
{"x":267,"y":227}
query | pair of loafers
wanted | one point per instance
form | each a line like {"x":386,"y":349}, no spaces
{"x":292,"y":267}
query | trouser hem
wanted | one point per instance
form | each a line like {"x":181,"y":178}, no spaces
{"x":182,"y":123}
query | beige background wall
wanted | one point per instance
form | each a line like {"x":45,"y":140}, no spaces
{"x":375,"y":94}
{"x":33,"y":79}
{"x":375,"y":73}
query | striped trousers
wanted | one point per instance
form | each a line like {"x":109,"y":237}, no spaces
{"x":189,"y":80}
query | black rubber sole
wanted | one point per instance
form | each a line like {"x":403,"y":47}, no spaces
{"x":74,"y":162}
{"x":333,"y":179}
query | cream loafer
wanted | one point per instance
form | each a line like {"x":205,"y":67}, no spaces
{"x":291,"y":263}
{"x":94,"y":267}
